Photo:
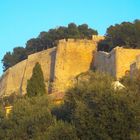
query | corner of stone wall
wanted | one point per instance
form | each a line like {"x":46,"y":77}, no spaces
{"x":116,"y":55}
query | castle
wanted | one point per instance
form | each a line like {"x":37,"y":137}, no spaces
{"x":64,"y":62}
{"x":119,"y":62}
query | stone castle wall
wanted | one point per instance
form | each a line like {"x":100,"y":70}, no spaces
{"x":59,"y":64}
{"x":117,"y":62}
{"x":11,"y":80}
{"x":45,"y":58}
{"x":63,"y":63}
{"x":106,"y":62}
{"x":15,"y":79}
{"x":135,"y":66}
{"x":125,"y":58}
{"x":72,"y":58}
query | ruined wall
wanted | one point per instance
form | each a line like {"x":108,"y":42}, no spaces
{"x":125,"y":58}
{"x":106,"y":62}
{"x":73,"y":57}
{"x":117,"y":62}
{"x":135,"y":66}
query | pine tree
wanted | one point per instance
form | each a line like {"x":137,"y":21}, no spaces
{"x":36,"y":84}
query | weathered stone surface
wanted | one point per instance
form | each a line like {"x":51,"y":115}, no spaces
{"x":46,"y":59}
{"x":59,"y":64}
{"x":72,"y":58}
{"x":135,"y":67}
{"x":63,"y":63}
{"x":117,"y":62}
{"x":12,"y":78}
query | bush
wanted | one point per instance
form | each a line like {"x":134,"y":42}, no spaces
{"x":36,"y":84}
{"x":132,"y":83}
{"x":99,"y":112}
{"x":61,"y":131}
{"x":2,"y":117}
{"x":92,"y":109}
{"x":29,"y":119}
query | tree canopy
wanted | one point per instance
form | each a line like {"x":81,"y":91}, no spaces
{"x":126,"y":34}
{"x":47,"y":40}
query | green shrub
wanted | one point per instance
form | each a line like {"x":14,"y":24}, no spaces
{"x":36,"y":84}
{"x":29,"y":119}
{"x":61,"y":131}
{"x":99,"y":112}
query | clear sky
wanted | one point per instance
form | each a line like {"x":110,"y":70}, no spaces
{"x":21,"y":20}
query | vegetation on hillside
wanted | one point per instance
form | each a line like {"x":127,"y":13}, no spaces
{"x":92,"y":109}
{"x":126,"y":34}
{"x":98,"y":112}
{"x":47,"y":40}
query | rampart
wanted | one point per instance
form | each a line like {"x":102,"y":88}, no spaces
{"x":117,"y":62}
{"x":59,"y":64}
{"x":72,"y":58}
{"x":63,"y":63}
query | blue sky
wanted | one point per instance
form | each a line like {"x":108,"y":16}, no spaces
{"x":21,"y":20}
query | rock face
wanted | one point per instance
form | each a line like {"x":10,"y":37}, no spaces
{"x":59,"y":64}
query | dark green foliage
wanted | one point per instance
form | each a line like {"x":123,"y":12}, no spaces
{"x":104,"y":46}
{"x":132,"y":83}
{"x":100,"y":113}
{"x":2,"y":117}
{"x":106,"y":117}
{"x":47,"y":40}
{"x":92,"y":110}
{"x":36,"y":85}
{"x":10,"y":59}
{"x":84,"y":84}
{"x":125,"y":34}
{"x":34,"y":45}
{"x":9,"y":100}
{"x":61,"y":131}
{"x":29,"y":119}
